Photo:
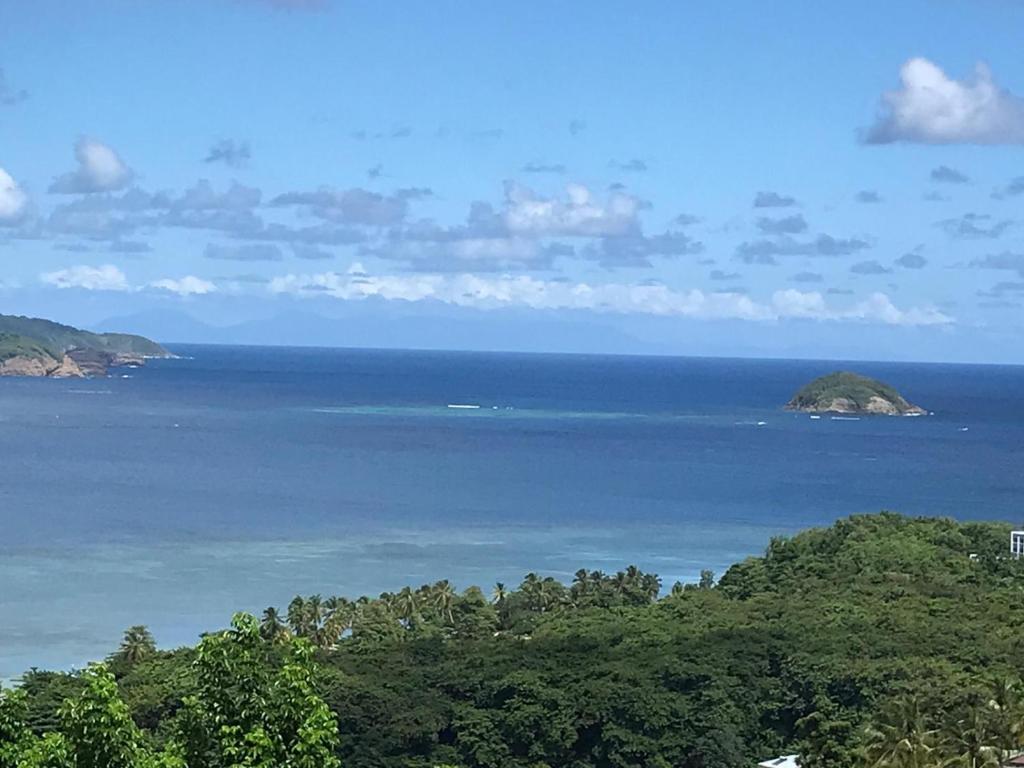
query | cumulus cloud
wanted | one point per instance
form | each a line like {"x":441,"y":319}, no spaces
{"x":202,"y":207}
{"x":1004,"y":289}
{"x":250,"y":252}
{"x":99,"y":217}
{"x":870,"y":267}
{"x":579,"y":214}
{"x":9,"y":95}
{"x":13,"y":201}
{"x":130,"y":247}
{"x":867,"y":196}
{"x":470,"y":254}
{"x":787,"y":225}
{"x":912,"y":260}
{"x":943,"y":174}
{"x":1013,"y":262}
{"x":773,"y":200}
{"x":103,"y":278}
{"x":112,"y":216}
{"x":635,"y":165}
{"x":807,"y":277}
{"x":636,"y":250}
{"x":353,"y":206}
{"x":190,"y":285}
{"x":975,"y":225}
{"x":932,"y":108}
{"x":765,"y":251}
{"x":202,"y":197}
{"x":100,"y":169}
{"x":1014,"y":188}
{"x":644,"y":298}
{"x":539,"y":167}
{"x":878,"y":308}
{"x":234,"y":154}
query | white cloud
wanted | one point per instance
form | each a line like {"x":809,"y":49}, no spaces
{"x":190,"y":285}
{"x":878,"y":308}
{"x":482,"y":292}
{"x":932,"y":108}
{"x":104,"y":278}
{"x":108,"y":277}
{"x":13,"y":201}
{"x":100,"y":169}
{"x":578,"y":215}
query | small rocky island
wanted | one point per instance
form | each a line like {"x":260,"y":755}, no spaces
{"x":34,"y":347}
{"x":851,"y":393}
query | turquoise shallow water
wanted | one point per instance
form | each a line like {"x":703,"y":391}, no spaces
{"x":240,"y":476}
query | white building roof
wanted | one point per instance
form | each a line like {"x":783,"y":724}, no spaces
{"x":786,"y":761}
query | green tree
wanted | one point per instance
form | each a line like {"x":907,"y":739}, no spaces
{"x":137,"y":645}
{"x":248,"y":712}
{"x":971,"y":739}
{"x":15,"y":737}
{"x":901,"y":738}
{"x":97,"y":727}
{"x":272,"y":628}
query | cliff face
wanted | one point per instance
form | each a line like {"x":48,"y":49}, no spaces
{"x":44,"y":365}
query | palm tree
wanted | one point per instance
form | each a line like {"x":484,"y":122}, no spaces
{"x":272,"y":627}
{"x":1007,"y":712}
{"x":407,"y":607}
{"x":339,"y":620}
{"x":901,"y":738}
{"x":650,"y":585}
{"x":973,"y":741}
{"x":531,"y":589}
{"x":137,"y":645}
{"x":444,"y":599}
{"x":297,"y":617}
{"x":314,"y":612}
{"x":500,"y":594}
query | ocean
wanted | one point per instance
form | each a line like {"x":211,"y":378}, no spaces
{"x":234,"y":478}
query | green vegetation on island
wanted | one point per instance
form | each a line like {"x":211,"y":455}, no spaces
{"x":36,"y":347}
{"x":845,"y":392}
{"x":880,"y":642}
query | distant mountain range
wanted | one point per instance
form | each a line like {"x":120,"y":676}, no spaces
{"x":31,"y":346}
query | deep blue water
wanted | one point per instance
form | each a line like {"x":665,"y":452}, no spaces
{"x":237,"y":477}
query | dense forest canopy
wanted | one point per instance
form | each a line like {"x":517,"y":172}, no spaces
{"x":880,"y":641}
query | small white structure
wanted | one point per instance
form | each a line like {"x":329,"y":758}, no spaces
{"x":1016,"y":543}
{"x":786,"y":761}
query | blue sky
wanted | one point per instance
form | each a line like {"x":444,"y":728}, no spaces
{"x":807,"y":179}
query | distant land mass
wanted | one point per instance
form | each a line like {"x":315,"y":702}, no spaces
{"x":845,"y":392}
{"x":32,"y":346}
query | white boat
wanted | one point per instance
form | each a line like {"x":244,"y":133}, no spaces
{"x":464,"y":407}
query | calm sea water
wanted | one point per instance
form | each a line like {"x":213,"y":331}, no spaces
{"x":237,"y":477}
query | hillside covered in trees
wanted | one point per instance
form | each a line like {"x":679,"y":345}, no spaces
{"x":31,"y":346}
{"x":880,"y":641}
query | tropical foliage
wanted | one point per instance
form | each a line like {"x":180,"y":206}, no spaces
{"x":881,"y":642}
